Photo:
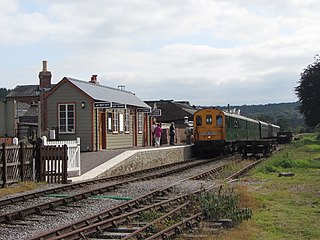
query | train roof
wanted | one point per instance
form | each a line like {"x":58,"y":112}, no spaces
{"x":239,"y":116}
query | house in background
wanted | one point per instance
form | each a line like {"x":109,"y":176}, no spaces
{"x":179,"y":112}
{"x":103,"y":117}
{"x":21,"y":108}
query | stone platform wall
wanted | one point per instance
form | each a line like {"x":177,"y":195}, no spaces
{"x":149,"y":158}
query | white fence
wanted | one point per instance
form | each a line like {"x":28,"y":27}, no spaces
{"x":73,"y":153}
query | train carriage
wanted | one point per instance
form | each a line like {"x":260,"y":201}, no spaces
{"x":219,"y":131}
{"x":263,"y":129}
{"x":273,"y":130}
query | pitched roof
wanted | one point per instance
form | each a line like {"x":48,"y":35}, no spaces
{"x":23,"y":91}
{"x":173,"y":111}
{"x":108,"y":94}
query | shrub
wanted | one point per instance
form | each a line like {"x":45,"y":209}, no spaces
{"x":222,"y":204}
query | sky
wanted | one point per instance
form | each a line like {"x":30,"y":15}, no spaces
{"x":207,"y":52}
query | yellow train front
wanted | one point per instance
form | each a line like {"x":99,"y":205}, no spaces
{"x":216,"y":131}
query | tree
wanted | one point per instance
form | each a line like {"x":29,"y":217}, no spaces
{"x":308,"y":93}
{"x":4,"y":92}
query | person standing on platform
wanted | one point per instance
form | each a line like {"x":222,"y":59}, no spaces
{"x":157,"y":135}
{"x":172,"y":133}
{"x":188,"y":133}
{"x":153,"y":127}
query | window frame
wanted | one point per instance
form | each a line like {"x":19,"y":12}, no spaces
{"x":109,"y":122}
{"x":219,"y":120}
{"x":199,"y":120}
{"x":66,"y":119}
{"x":140,"y":122}
{"x":115,"y":121}
{"x":127,"y":120}
{"x":209,"y":119}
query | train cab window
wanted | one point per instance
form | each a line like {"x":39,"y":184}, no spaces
{"x":219,"y":120}
{"x":209,"y":119}
{"x":198,"y":121}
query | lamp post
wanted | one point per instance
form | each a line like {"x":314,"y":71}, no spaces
{"x":38,"y":93}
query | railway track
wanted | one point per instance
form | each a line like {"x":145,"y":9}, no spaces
{"x":31,"y":215}
{"x":117,"y":221}
{"x":56,"y":190}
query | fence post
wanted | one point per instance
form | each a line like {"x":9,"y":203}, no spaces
{"x":78,"y":155}
{"x":44,"y":140}
{"x":21,"y":159}
{"x":65,"y":164}
{"x":38,"y":160}
{"x":4,"y":164}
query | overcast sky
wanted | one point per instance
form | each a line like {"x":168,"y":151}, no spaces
{"x":208,"y":52}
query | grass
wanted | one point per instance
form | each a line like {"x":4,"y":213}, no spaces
{"x":283,"y":207}
{"x":18,"y":188}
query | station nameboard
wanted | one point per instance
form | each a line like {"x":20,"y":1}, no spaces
{"x":116,"y":105}
{"x":102,"y":104}
{"x":155,"y":113}
{"x":144,"y":110}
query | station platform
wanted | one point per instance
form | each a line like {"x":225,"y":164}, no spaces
{"x":119,"y":161}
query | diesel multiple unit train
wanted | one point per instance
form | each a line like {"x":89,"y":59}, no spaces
{"x":218,"y":131}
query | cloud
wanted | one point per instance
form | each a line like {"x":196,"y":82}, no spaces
{"x":204,"y":51}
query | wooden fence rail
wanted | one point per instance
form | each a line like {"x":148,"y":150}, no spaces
{"x":53,"y":164}
{"x":33,"y":163}
{"x":16,"y":164}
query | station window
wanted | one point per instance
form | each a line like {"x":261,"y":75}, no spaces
{"x":140,"y":122}
{"x":66,"y":118}
{"x":127,"y":120}
{"x":115,"y":121}
{"x":109,"y":129}
{"x":121,"y":123}
{"x":209,"y":119}
{"x":219,"y":120}
{"x":199,"y":121}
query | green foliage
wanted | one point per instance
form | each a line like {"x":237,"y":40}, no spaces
{"x":293,"y":158}
{"x":4,"y":92}
{"x":223,"y":204}
{"x":288,"y":206}
{"x":149,"y":215}
{"x":308,"y":93}
{"x":286,"y":115}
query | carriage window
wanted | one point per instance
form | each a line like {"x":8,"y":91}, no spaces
{"x":198,"y":121}
{"x":208,"y":119}
{"x":219,"y":120}
{"x":235,"y":124}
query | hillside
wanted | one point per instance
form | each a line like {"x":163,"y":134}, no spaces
{"x":286,"y":115}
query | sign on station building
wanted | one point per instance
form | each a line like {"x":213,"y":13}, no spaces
{"x":155,"y":113}
{"x":102,"y":104}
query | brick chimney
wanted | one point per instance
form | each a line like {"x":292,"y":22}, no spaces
{"x":94,"y":79}
{"x":45,"y":76}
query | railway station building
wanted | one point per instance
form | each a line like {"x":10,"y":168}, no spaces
{"x":102,"y":117}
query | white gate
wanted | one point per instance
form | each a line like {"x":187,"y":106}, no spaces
{"x":73,"y":153}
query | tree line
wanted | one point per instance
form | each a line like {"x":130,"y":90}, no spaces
{"x":3,"y":93}
{"x":285,"y":115}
